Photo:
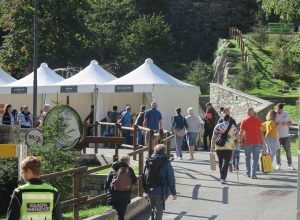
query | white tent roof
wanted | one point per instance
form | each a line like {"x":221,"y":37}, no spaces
{"x":5,"y":78}
{"x":45,"y":77}
{"x":93,"y":74}
{"x":148,"y":73}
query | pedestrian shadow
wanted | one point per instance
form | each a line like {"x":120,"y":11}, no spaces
{"x":182,"y":214}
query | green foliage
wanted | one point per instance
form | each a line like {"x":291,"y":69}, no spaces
{"x":8,"y":180}
{"x":243,"y":79}
{"x":62,"y":34}
{"x":148,"y":36}
{"x":55,"y":160}
{"x":287,"y":9}
{"x":200,"y":75}
{"x":260,"y":35}
{"x":293,"y":111}
{"x":83,"y":214}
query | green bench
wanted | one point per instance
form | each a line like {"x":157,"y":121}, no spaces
{"x":280,"y":28}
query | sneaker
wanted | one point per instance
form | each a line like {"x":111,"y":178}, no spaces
{"x":223,"y":181}
{"x":291,"y":167}
{"x":254,"y":177}
{"x":278,"y":167}
{"x":230,"y":167}
{"x":180,"y":158}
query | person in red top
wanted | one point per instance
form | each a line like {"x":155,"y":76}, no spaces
{"x":251,"y":133}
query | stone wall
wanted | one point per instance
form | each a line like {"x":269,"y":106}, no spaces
{"x":197,"y":24}
{"x":239,"y":102}
{"x":93,"y":185}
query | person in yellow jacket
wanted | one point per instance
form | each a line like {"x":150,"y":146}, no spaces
{"x":35,"y":200}
{"x":269,"y":127}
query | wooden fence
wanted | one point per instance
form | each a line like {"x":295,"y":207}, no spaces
{"x":138,"y":151}
{"x":237,"y":34}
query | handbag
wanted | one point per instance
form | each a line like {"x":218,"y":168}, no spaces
{"x":266,"y":163}
{"x":221,"y":141}
{"x":212,"y":159}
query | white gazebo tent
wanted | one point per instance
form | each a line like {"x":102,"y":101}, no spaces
{"x":81,"y":89}
{"x":5,"y":78}
{"x":19,"y":92}
{"x":145,"y":84}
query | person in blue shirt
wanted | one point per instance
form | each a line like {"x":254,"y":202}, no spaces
{"x":153,"y":118}
{"x":236,"y":155}
{"x":127,"y":122}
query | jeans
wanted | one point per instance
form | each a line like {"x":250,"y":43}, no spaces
{"x":286,"y":144}
{"x":236,"y":157}
{"x":224,"y":157}
{"x":120,"y":206}
{"x":126,"y":135}
{"x":207,"y":133}
{"x":140,"y":138}
{"x":253,"y":149}
{"x":157,"y":206}
{"x":179,"y":142}
{"x":272,"y":144}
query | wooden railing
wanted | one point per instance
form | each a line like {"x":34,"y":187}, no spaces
{"x":78,"y":201}
{"x":237,"y":34}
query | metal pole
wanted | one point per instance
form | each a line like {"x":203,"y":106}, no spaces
{"x":35,"y":61}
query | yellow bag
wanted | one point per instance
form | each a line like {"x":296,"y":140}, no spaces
{"x":266,"y":164}
{"x":213,"y":165}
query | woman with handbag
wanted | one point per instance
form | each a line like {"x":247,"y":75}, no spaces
{"x":178,"y":126}
{"x":223,"y":140}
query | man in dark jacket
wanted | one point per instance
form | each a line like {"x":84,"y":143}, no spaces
{"x":35,"y":199}
{"x":158,"y":195}
{"x":119,"y":199}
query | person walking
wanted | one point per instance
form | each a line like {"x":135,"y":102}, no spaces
{"x":283,"y":123}
{"x":159,"y":181}
{"x":8,"y":117}
{"x":25,"y":117}
{"x":254,"y":140}
{"x":126,"y":122}
{"x":117,"y":197}
{"x":139,"y":122}
{"x":112,"y":118}
{"x":179,"y":126}
{"x":211,"y":118}
{"x":269,"y":127}
{"x":224,"y":152}
{"x":46,"y":109}
{"x":193,"y":129}
{"x":35,"y":199}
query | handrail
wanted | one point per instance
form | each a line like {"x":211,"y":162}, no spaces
{"x":64,"y":173}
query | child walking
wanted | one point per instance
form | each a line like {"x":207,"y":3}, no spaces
{"x":236,"y":155}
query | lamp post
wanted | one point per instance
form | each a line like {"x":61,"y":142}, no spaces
{"x":35,"y":60}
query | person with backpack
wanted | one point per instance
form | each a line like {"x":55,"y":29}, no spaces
{"x":118,"y":185}
{"x":223,"y":138}
{"x":139,"y":121}
{"x":158,"y":181}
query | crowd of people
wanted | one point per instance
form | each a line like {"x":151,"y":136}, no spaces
{"x":23,"y":118}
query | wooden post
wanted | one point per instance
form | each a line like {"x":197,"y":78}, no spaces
{"x":168,"y":144}
{"x":134,"y":144}
{"x":116,"y":156}
{"x":68,"y":100}
{"x":76,"y":195}
{"x":96,"y":135}
{"x":84,"y":134}
{"x":151,"y":134}
{"x":141,"y":166}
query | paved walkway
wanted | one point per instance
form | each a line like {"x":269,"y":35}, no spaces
{"x":201,"y":196}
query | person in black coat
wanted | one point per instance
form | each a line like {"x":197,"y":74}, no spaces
{"x":119,"y":200}
{"x":7,"y":117}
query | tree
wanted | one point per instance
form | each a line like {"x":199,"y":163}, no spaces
{"x":200,"y":75}
{"x":260,"y":35}
{"x":148,"y":36}
{"x":107,"y":21}
{"x":62,"y":34}
{"x":287,"y":10}
{"x":244,"y":79}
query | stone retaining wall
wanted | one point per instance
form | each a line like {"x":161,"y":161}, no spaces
{"x":239,"y":102}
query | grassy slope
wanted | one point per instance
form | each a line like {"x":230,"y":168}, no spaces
{"x":87,"y":212}
{"x":261,"y":63}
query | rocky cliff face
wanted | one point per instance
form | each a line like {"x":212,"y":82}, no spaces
{"x":197,"y":24}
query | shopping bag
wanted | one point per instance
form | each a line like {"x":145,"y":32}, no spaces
{"x":212,"y":158}
{"x":266,"y":163}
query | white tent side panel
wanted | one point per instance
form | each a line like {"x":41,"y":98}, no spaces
{"x":170,"y":97}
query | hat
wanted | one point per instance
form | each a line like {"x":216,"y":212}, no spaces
{"x":280,"y":106}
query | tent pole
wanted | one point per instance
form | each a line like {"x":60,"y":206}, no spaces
{"x":35,"y":58}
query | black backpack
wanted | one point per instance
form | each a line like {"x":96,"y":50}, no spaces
{"x":152,"y":172}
